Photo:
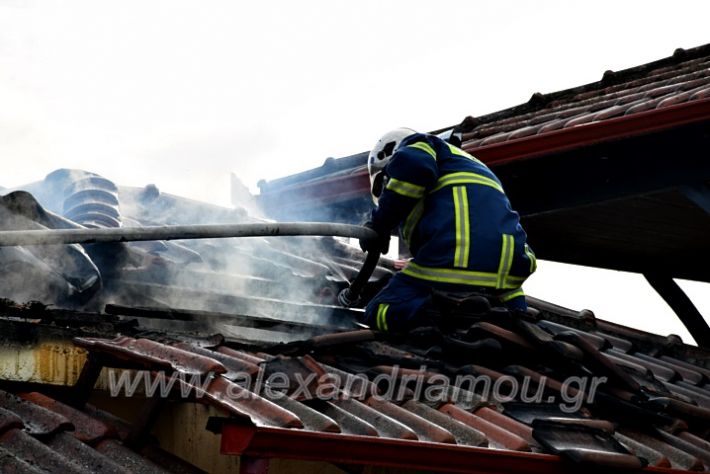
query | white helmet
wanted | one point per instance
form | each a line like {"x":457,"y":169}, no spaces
{"x":380,"y":155}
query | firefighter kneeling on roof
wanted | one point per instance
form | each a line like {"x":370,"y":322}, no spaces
{"x":456,"y":220}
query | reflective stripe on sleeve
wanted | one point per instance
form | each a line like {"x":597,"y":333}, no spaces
{"x":505,"y":297}
{"x":506,"y":259}
{"x":405,"y":189}
{"x":462,"y":226}
{"x":423,"y":147}
{"x":532,"y":258}
{"x":411,"y":222}
{"x":458,"y":151}
{"x":382,"y":317}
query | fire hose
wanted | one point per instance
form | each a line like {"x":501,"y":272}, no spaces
{"x":348,"y":296}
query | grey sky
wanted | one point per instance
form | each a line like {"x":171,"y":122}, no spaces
{"x":182,"y":93}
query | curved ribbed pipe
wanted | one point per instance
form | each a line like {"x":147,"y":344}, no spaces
{"x":92,"y":201}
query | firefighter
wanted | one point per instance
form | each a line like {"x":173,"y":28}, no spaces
{"x":456,"y":220}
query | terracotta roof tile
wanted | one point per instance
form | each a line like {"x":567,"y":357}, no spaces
{"x":498,"y":435}
{"x":425,"y":430}
{"x":83,"y":455}
{"x":232,"y":397}
{"x":154,"y":353}
{"x":38,"y":421}
{"x":131,"y":460}
{"x":679,"y":459}
{"x":654,"y":458}
{"x":507,"y":423}
{"x":9,"y":420}
{"x":463,"y":433}
{"x":49,"y":442}
{"x":311,"y":419}
{"x":34,"y":452}
{"x":11,"y":464}
{"x":234,"y":365}
{"x":348,"y":422}
{"x":386,"y":426}
{"x":86,"y":428}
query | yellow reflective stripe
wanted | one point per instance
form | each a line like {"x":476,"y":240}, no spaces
{"x":460,"y":152}
{"x":382,"y":317}
{"x":460,"y":277}
{"x":466,"y":178}
{"x":506,"y":260}
{"x":423,"y":147}
{"x":462,"y":226}
{"x":513,"y":281}
{"x":445,"y":275}
{"x":412,"y":220}
{"x":531,"y":257}
{"x":505,"y":297}
{"x":405,"y":189}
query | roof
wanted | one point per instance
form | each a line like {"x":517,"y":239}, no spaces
{"x":353,"y":395}
{"x":575,"y":164}
{"x":654,"y":406}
